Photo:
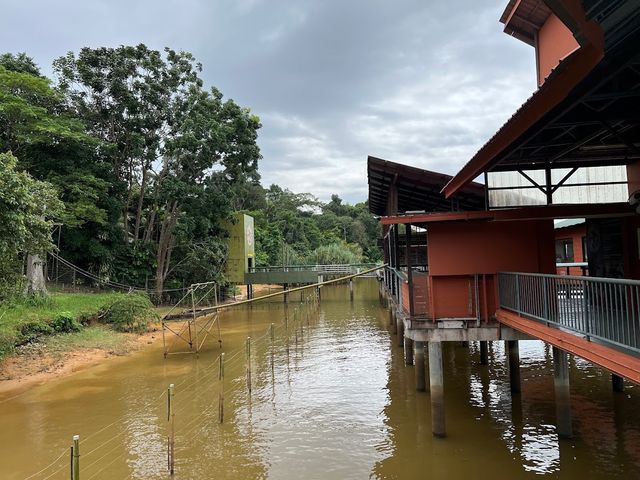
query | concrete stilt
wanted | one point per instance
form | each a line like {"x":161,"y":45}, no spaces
{"x":563,"y":396}
{"x":394,"y":321}
{"x":391,"y":320}
{"x":400,"y":330}
{"x":408,"y":351}
{"x":436,"y":385}
{"x":484,"y":353}
{"x":419,"y":366}
{"x":513,"y":352}
{"x":351,"y":290}
{"x":286,"y":295}
{"x":617,"y":382}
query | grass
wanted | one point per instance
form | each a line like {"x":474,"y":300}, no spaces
{"x":95,"y":336}
{"x":79,"y":305}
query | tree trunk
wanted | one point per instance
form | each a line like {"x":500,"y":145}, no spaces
{"x":35,"y":276}
{"x":143,"y":185}
{"x":165,"y":244}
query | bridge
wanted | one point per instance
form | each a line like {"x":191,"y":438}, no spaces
{"x":300,"y":274}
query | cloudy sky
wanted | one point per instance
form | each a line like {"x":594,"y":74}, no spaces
{"x":422,"y":82}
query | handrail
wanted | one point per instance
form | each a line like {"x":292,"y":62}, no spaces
{"x":606,"y":309}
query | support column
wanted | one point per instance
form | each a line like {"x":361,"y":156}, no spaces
{"x":408,"y":351}
{"x":351,"y":289}
{"x":286,"y":295}
{"x":436,"y":385}
{"x":513,"y":353}
{"x":407,"y":236}
{"x":400,"y":330}
{"x":419,"y":366}
{"x":393,"y":316}
{"x":484,"y":353}
{"x":563,"y":396}
{"x":617,"y":382}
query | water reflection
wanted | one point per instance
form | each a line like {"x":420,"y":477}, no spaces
{"x":331,"y":398}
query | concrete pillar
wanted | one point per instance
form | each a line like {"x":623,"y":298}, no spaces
{"x":394,"y":321}
{"x":351,"y":289}
{"x":513,"y":353}
{"x":408,"y":351}
{"x":286,"y":295}
{"x":419,"y":366}
{"x":617,"y":382}
{"x":563,"y":396}
{"x":436,"y":385}
{"x":400,"y":330}
{"x":484,"y":353}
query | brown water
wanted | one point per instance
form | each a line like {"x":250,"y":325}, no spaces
{"x":340,"y":404}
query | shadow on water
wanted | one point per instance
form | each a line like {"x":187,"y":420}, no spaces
{"x":331,"y":398}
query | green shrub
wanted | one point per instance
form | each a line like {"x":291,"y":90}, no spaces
{"x":131,"y":313}
{"x":65,"y":322}
{"x":7,"y":344}
{"x":33,"y":329}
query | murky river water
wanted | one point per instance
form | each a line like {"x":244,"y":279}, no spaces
{"x":339,"y":403}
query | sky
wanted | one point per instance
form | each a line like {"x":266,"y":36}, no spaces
{"x":420,"y":82}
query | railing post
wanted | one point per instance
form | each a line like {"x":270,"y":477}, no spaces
{"x":518,"y":293}
{"x":545,"y":298}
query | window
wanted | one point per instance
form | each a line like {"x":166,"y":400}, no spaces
{"x":585,"y":254}
{"x":564,"y":251}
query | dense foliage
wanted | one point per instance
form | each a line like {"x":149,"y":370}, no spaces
{"x":140,"y":166}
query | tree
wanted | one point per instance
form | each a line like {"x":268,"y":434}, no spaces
{"x":172,"y":143}
{"x":27,"y":210}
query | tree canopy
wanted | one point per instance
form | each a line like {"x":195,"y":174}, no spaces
{"x":141,"y":165}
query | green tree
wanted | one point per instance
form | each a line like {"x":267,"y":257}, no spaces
{"x":28,"y":208}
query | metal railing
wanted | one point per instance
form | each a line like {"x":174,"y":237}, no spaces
{"x":326,"y":269}
{"x":607,"y":309}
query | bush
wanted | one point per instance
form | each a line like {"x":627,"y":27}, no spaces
{"x":34,"y":329}
{"x":131,"y":313}
{"x":65,"y":322}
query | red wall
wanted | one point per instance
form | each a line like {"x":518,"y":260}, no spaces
{"x":575,"y":233}
{"x":458,"y":250}
{"x":555,"y":41}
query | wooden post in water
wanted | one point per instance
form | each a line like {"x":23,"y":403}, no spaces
{"x":408,"y":351}
{"x":221,"y":396}
{"x":351,"y":289}
{"x":272,"y":333}
{"x":171,"y":417}
{"x":75,"y":458}
{"x":513,"y":354}
{"x":248,"y":351}
{"x":484,"y":352}
{"x":419,"y":366}
{"x":562,"y":393}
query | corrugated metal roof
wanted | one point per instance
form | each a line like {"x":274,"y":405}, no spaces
{"x":418,"y":189}
{"x":523,"y":18}
{"x":569,"y":222}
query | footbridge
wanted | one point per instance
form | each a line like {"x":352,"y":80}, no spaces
{"x":301,"y":274}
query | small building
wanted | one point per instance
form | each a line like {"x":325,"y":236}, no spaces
{"x":571,"y":247}
{"x":241,"y":248}
{"x":571,"y":151}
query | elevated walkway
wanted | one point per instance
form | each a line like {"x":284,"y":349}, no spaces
{"x":302,"y":274}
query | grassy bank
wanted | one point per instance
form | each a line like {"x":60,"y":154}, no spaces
{"x":60,"y":321}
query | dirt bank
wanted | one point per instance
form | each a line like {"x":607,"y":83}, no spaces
{"x":37,"y":363}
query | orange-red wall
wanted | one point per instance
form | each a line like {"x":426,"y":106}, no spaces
{"x":574,"y":233}
{"x":458,"y":250}
{"x":555,"y":41}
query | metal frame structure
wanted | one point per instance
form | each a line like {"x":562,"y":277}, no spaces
{"x":192,"y":332}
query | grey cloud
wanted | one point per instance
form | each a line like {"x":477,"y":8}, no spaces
{"x":416,"y":81}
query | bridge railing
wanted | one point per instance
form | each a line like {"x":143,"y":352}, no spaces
{"x":327,"y":269}
{"x":606,"y":309}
